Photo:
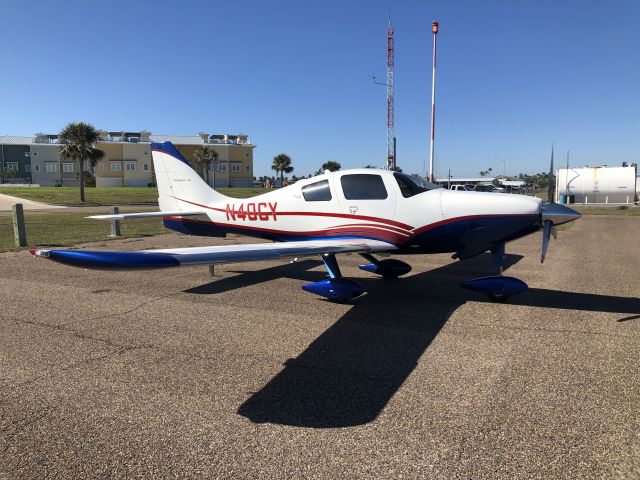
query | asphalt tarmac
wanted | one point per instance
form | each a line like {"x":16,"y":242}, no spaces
{"x":178,"y":374}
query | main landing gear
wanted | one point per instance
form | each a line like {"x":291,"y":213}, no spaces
{"x":498,"y":288}
{"x":341,"y":289}
{"x":389,"y":268}
{"x":335,"y":288}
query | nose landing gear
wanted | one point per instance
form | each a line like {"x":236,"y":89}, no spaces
{"x":498,"y":288}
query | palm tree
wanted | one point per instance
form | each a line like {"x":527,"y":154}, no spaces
{"x":78,"y":143}
{"x":203,"y":157}
{"x":94,"y":156}
{"x":331,"y":166}
{"x":282,"y":164}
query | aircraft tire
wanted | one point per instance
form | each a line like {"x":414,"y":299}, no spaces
{"x":498,"y":297}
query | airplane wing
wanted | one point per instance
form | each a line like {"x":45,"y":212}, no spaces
{"x":124,"y":216}
{"x":175,"y":257}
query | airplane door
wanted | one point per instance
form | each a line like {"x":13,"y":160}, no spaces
{"x":366,"y":194}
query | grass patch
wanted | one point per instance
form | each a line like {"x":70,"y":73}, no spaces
{"x":565,"y":226}
{"x":95,"y":196}
{"x":64,"y":229}
{"x":70,"y":196}
{"x":631,"y":210}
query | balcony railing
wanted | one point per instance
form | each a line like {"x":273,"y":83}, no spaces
{"x":46,"y":140}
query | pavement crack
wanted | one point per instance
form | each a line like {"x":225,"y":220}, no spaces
{"x":87,"y":361}
{"x":78,"y":334}
{"x":133,"y":309}
{"x":13,"y":429}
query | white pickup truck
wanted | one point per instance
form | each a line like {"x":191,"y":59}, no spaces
{"x":458,"y":186}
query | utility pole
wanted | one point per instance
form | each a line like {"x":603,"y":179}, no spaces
{"x":434,"y":29}
{"x":504,"y":164}
{"x":566,"y":180}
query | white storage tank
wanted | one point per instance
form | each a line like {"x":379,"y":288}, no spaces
{"x":596,"y":185}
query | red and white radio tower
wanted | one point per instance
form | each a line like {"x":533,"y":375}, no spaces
{"x":391,"y":137}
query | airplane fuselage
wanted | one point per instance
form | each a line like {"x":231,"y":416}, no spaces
{"x":373,"y":204}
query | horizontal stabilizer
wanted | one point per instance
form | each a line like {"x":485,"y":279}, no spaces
{"x":125,"y":216}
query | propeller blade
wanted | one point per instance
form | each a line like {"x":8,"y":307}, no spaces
{"x":551,"y":185}
{"x":554,"y":232}
{"x":546,"y":233}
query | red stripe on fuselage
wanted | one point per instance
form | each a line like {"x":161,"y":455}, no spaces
{"x":317,"y":214}
{"x":369,"y":232}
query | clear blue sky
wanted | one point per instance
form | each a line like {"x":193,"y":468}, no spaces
{"x":513,"y":77}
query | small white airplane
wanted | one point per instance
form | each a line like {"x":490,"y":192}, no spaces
{"x":364,"y":211}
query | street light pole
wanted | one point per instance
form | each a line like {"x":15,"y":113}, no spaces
{"x":434,"y":30}
{"x":504,"y":164}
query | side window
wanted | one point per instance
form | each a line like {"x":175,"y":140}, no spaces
{"x":363,"y":186}
{"x":410,"y":186}
{"x":317,"y":192}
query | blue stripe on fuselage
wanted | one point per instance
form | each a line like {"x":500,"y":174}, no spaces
{"x":446,"y":237}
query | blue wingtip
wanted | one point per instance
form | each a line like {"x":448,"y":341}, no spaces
{"x":113,"y":260}
{"x":168,"y":148}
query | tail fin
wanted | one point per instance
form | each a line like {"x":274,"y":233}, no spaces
{"x":179,"y":186}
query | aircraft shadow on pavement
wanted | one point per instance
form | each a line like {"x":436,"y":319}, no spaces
{"x":349,"y":373}
{"x":297,"y":270}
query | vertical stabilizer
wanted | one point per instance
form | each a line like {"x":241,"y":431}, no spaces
{"x":179,"y":186}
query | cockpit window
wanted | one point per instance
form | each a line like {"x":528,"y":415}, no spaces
{"x":317,"y":192}
{"x":363,"y":186}
{"x":410,"y":185}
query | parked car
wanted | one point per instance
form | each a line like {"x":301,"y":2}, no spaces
{"x":485,"y":188}
{"x":459,"y":187}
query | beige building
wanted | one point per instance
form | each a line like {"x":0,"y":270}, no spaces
{"x":233,"y":166}
{"x":127,"y":160}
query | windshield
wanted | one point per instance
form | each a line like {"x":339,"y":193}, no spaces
{"x":410,"y":185}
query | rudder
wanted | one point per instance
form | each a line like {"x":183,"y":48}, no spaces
{"x":179,"y":186}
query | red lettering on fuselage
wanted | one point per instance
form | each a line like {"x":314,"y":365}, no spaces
{"x":251,"y":211}
{"x":231,"y":214}
{"x":261,"y":215}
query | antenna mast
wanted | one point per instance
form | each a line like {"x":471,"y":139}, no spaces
{"x":391,"y":137}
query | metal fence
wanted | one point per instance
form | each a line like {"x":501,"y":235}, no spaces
{"x":17,"y":182}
